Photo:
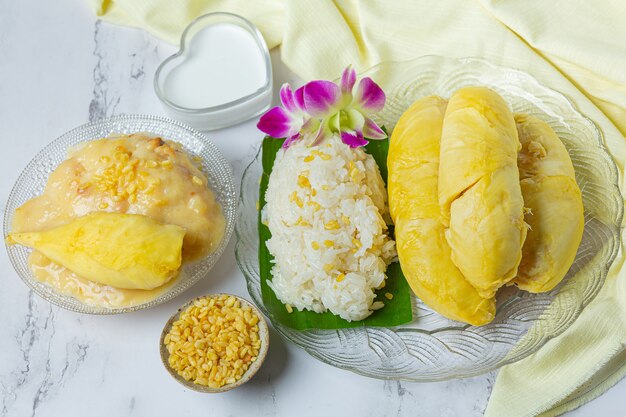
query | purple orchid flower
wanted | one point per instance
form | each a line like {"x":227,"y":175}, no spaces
{"x":287,"y":121}
{"x":322,"y":108}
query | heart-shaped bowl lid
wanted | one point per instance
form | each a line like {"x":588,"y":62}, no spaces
{"x":221,"y":76}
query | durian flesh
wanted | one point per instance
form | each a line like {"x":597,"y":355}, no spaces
{"x":423,"y":250}
{"x":479,"y":188}
{"x":555,"y":208}
{"x":480,"y":199}
{"x":128,"y":251}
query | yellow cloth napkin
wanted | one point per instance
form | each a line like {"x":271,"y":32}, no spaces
{"x":577,"y":47}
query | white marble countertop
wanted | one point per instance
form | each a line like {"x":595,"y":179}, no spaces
{"x":59,"y":68}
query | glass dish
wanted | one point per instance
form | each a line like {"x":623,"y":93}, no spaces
{"x":431,"y":347}
{"x":33,"y":179}
{"x":223,"y":115}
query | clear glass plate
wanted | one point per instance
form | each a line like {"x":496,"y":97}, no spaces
{"x":33,"y":180}
{"x":432,"y":347}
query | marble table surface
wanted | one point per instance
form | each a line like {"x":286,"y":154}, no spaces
{"x":60,"y":67}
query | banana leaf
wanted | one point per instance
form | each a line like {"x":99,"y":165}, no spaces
{"x":395,"y":312}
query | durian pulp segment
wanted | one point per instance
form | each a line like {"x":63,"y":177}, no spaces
{"x":479,"y":190}
{"x":425,"y":257}
{"x":128,"y":251}
{"x":555,"y":209}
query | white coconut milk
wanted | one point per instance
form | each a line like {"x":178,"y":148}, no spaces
{"x":223,"y":63}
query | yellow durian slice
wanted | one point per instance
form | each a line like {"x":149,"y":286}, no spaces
{"x":424,"y":253}
{"x":554,"y":200}
{"x":479,"y":190}
{"x":128,"y":251}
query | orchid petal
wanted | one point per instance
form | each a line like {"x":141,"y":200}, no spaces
{"x":278,"y":123}
{"x":322,"y":134}
{"x":298,"y":96}
{"x":311,"y":126}
{"x":287,"y":98}
{"x":321,"y":97}
{"x":348,"y":78}
{"x":353,"y":139}
{"x":372,"y":131}
{"x":369,"y":96}
{"x":287,"y":143}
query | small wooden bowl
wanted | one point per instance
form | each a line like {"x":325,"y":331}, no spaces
{"x":254,"y":366}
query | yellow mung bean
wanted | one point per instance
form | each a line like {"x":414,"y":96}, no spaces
{"x":214,"y":341}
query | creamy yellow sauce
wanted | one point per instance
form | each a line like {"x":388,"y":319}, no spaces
{"x":137,"y":174}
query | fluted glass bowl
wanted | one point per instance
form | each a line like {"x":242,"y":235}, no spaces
{"x":33,"y":180}
{"x":432,"y":347}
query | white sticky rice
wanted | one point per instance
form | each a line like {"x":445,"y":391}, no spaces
{"x":326,"y":209}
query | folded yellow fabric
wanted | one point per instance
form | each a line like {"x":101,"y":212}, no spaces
{"x":577,"y":47}
{"x":167,"y":19}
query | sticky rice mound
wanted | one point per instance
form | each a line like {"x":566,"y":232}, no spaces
{"x":327,"y":212}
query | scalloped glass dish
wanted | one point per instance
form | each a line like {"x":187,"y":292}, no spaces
{"x":33,"y":179}
{"x":431,"y":347}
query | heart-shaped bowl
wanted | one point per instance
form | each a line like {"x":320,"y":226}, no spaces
{"x":224,"y":114}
